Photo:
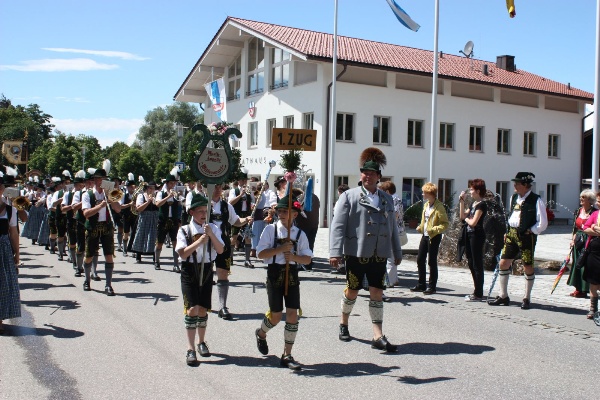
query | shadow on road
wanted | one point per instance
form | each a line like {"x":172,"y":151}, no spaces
{"x":412,"y":380}
{"x":22,"y":276}
{"x":42,"y":286}
{"x":149,"y":296}
{"x":436,"y":349}
{"x":52,"y":330}
{"x":62,"y":304}
{"x":143,"y":281}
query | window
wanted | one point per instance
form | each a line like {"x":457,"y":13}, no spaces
{"x":308,"y":120}
{"x":256,"y":67}
{"x":280,"y":68}
{"x":381,"y":130}
{"x":553,"y":142}
{"x":271,"y":123}
{"x":288,"y":122}
{"x":340,"y":180}
{"x":476,"y":138}
{"x":235,"y":142}
{"x":234,"y":80}
{"x":344,"y":130}
{"x":411,"y":191}
{"x":415,"y":133}
{"x":445,"y":189}
{"x":446,"y":136}
{"x":503,"y":146}
{"x":551,"y":189}
{"x":529,"y":143}
{"x":502,"y":191}
{"x":253,"y":129}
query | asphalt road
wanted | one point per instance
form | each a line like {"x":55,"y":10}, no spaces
{"x":71,"y":344}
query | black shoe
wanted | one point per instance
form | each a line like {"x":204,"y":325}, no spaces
{"x":261,"y":343}
{"x":109,"y":291}
{"x":96,"y":278}
{"x":418,"y":288}
{"x":289,"y":362}
{"x":124,"y":254}
{"x":190,"y":357}
{"x":86,"y":286}
{"x":383,"y":344}
{"x":526,"y":304}
{"x":500,"y":301}
{"x":344,"y":333}
{"x":156,"y":266}
{"x":385,"y":298}
{"x":248,"y":264}
{"x":138,"y":260}
{"x":224,"y":313}
{"x":429,"y":290}
{"x":176,"y":269}
{"x":77,"y":273}
{"x":203,"y":350}
{"x":60,"y":257}
{"x":119,"y":249}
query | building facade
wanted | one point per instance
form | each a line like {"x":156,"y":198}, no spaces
{"x":493,"y":120}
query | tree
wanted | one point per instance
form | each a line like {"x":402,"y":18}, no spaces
{"x":134,"y":161}
{"x":114,"y":154}
{"x":164,"y":166}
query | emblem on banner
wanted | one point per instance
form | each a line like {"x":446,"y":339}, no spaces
{"x":251,"y":109}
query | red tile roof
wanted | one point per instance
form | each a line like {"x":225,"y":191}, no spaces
{"x":319,"y":46}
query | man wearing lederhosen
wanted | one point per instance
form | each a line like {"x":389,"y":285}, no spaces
{"x":117,"y":216}
{"x":127,"y":216}
{"x":99,"y":229}
{"x":70,"y":212}
{"x":365,"y":233}
{"x":169,"y":218}
{"x":241,"y":199}
{"x":223,"y":215}
{"x":526,"y":220}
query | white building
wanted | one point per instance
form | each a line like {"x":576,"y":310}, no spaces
{"x":494,"y":120}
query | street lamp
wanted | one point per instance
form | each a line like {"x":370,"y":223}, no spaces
{"x":83,"y":158}
{"x":180,"y":129}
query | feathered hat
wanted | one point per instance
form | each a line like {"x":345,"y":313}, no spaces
{"x":372,"y":159}
{"x":102,"y":172}
{"x":66,"y":175}
{"x":243,"y":174}
{"x":130,"y":179}
{"x":10,"y":176}
{"x":173,"y":175}
{"x":79,"y":176}
{"x":90,"y":173}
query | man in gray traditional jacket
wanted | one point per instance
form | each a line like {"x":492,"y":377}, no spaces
{"x":365,"y":233}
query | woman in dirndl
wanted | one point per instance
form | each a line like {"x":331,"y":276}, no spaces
{"x":587,"y":200}
{"x":37,"y":212}
{"x":10,"y":299}
{"x":145,"y":235}
{"x":43,"y":238}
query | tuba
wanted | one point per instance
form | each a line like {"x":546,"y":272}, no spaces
{"x":115,"y":195}
{"x":134,"y":195}
{"x":21,"y":203}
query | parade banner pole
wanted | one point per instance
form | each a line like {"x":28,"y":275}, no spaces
{"x":210,"y":189}
{"x":289,"y":231}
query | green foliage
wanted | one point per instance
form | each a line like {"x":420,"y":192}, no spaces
{"x":414,"y":212}
{"x":134,"y":161}
{"x":114,"y":154}
{"x":164,"y":166}
{"x":290,"y":160}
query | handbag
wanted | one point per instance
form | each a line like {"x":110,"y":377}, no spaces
{"x":582,"y":260}
{"x":579,"y":242}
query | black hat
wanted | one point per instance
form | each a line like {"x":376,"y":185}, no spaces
{"x":40,"y":186}
{"x":150,"y":183}
{"x":524,"y":177}
{"x":285,"y":201}
{"x":198,"y":200}
{"x":173,"y":175}
{"x":279,"y":180}
{"x":99,"y":173}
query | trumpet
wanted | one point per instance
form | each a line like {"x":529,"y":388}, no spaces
{"x":21,"y":203}
{"x":115,"y":195}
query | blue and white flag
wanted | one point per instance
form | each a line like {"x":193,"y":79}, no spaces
{"x":402,"y":16}
{"x":216,"y":92}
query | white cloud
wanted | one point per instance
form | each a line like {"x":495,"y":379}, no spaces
{"x":72,"y":99}
{"x":84,"y":125}
{"x":103,"y":53}
{"x":59,"y":65}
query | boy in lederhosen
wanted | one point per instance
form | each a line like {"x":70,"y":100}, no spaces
{"x":197,"y":244}
{"x":69,"y":208}
{"x":277,"y":251}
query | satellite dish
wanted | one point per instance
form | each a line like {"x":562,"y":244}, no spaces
{"x":468,"y":50}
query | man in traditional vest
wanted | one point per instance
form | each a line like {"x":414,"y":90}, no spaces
{"x":241,"y":199}
{"x":68,"y":210}
{"x":526,"y":220}
{"x":223,"y":215}
{"x":129,"y":218}
{"x":169,"y":218}
{"x":99,"y":229}
{"x":58,"y":225}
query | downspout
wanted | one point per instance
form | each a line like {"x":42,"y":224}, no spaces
{"x":327,"y":160}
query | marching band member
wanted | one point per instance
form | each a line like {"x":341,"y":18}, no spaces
{"x":263,"y":203}
{"x":99,"y":228}
{"x":129,"y":219}
{"x":37,"y":211}
{"x":44,"y":235}
{"x":69,"y":207}
{"x":223,"y":215}
{"x":52,"y":203}
{"x":144,"y":241}
{"x":241,"y":199}
{"x":169,"y":218}
{"x":280,"y":254}
{"x":59,"y":217}
{"x":117,"y":217}
{"x":196,"y":289}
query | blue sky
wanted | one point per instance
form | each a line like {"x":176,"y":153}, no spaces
{"x":99,"y":66}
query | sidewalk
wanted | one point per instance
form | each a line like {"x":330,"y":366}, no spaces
{"x":552,"y":245}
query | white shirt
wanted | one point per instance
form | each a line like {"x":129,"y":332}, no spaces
{"x":216,"y":209}
{"x":55,"y":198}
{"x":13,"y":217}
{"x":268,"y":235}
{"x":162,"y":194}
{"x":540,"y":211}
{"x":86,"y":204}
{"x":196,"y":229}
{"x":49,"y":202}
{"x":188,"y":198}
{"x":141,"y":199}
{"x":233,"y":196}
{"x":65,"y":202}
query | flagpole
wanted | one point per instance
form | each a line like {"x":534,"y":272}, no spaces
{"x":332,"y":121}
{"x":595,"y":144}
{"x":434,"y":91}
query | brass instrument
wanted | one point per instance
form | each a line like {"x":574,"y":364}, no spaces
{"x":115,"y":195}
{"x":134,"y":195}
{"x":21,"y":203}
